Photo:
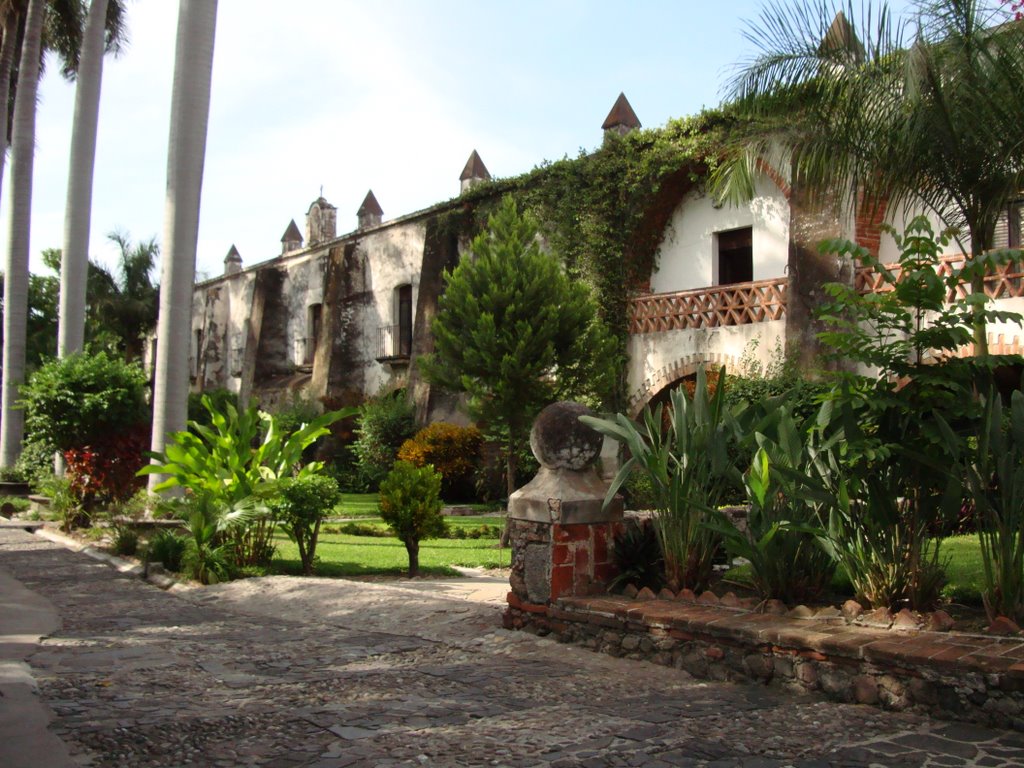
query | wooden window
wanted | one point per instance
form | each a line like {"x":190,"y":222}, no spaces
{"x":735,"y":256}
{"x":314,"y":323}
{"x":405,"y":320}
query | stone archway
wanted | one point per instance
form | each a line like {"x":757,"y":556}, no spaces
{"x":688,"y":365}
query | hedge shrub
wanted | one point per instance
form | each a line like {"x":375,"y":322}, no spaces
{"x":453,"y":451}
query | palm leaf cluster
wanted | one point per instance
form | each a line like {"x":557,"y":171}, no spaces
{"x":862,"y":105}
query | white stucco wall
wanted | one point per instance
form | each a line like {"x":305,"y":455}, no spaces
{"x":651,"y":354}
{"x":898,"y":219}
{"x":394,"y":256}
{"x":686,"y":256}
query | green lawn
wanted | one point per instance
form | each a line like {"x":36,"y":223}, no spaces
{"x":359,"y":505}
{"x":342,"y":555}
{"x":467,"y":523}
{"x":964,"y":572}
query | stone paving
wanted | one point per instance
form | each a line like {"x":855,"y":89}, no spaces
{"x":383,"y":676}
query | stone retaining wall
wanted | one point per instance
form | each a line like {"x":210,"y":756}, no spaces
{"x":977,"y":678}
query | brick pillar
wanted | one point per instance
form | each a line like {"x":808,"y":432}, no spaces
{"x":561,"y":533}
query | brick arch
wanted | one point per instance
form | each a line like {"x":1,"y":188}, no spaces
{"x":687,"y":365}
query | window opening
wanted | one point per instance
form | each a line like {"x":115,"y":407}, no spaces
{"x":736,"y":256}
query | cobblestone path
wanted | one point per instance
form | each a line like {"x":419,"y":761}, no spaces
{"x":382,"y":676}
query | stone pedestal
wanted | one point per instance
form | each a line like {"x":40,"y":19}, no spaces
{"x":561,"y":533}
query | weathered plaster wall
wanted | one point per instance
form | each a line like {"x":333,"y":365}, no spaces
{"x":686,"y":256}
{"x":659,"y":359}
{"x":255,"y":324}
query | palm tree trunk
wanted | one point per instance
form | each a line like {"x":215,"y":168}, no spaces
{"x":8,"y":48}
{"x":75,"y":255}
{"x":190,"y":114}
{"x":810,"y":222}
{"x":12,"y":418}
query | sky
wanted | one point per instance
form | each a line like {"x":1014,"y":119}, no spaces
{"x":391,"y":95}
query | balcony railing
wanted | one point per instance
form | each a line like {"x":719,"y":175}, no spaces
{"x":756,"y":302}
{"x":394,"y":342}
{"x":712,"y":307}
{"x":1003,"y":283}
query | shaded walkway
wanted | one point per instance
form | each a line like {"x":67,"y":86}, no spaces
{"x":284,"y":672}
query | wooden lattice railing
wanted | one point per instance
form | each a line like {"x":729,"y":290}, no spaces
{"x":1004,"y":283}
{"x":738,"y":304}
{"x":755,"y":302}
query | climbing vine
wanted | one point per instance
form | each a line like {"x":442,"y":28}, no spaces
{"x":605,"y":212}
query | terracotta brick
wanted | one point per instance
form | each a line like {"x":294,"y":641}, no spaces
{"x":582,"y":560}
{"x":813,"y":656}
{"x":983,"y":663}
{"x":601,"y":553}
{"x":849,"y":644}
{"x":561,"y":554}
{"x":948,"y":657}
{"x":561,"y":580}
{"x":566,"y":533}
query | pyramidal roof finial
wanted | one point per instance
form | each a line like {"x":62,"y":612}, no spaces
{"x":474,"y":172}
{"x":622,"y":119}
{"x":370,"y":213}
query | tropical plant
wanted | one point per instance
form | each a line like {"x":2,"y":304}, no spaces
{"x":515,"y":333}
{"x":300,"y":508}
{"x":122,"y":307}
{"x":410,"y":503}
{"x":686,"y":455}
{"x":854,"y":110}
{"x":235,"y":463}
{"x":897,"y":456}
{"x":884,"y":498}
{"x":205,"y":558}
{"x":167,"y":548}
{"x":780,"y":540}
{"x":105,"y":471}
{"x":636,"y":554}
{"x":186,"y":153}
{"x":126,"y":540}
{"x":995,"y":480}
{"x":219,"y":400}
{"x":917,"y":325}
{"x":64,"y":504}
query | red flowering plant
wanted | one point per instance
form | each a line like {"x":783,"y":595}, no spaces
{"x":105,"y":470}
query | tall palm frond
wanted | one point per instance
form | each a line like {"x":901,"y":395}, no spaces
{"x":851,"y":109}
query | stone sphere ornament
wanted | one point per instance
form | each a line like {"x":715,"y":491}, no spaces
{"x":560,"y":440}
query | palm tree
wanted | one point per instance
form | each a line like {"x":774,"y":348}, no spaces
{"x":75,"y":259}
{"x":12,"y":418}
{"x":190,"y":112}
{"x":123,"y":308}
{"x":43,"y":25}
{"x":860,"y":116}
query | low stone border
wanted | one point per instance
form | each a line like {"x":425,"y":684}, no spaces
{"x":154,"y":573}
{"x":969,"y":677}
